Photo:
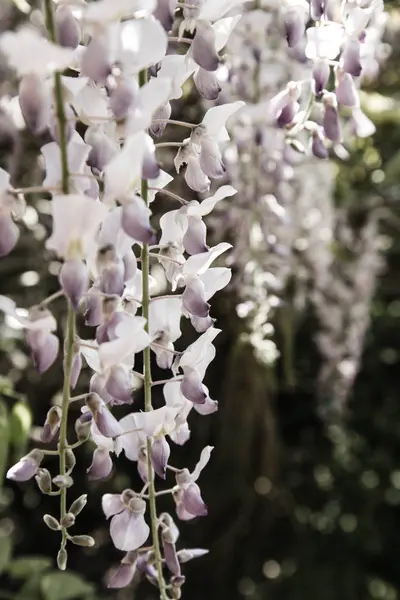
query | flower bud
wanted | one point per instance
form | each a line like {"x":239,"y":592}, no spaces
{"x":51,"y":522}
{"x":52,"y":424}
{"x":82,"y":540}
{"x":63,"y":481}
{"x":34,"y":101}
{"x":207,"y":84}
{"x":68,"y":520}
{"x":62,"y":558}
{"x":203,"y":47}
{"x":159,"y":455}
{"x":101,"y":465}
{"x":26,"y":467}
{"x":82,"y":429}
{"x":67,"y":28}
{"x":163,"y":112}
{"x":70,"y":460}
{"x":294,"y":23}
{"x":122,"y":97}
{"x":186,"y":555}
{"x":43,"y":479}
{"x":78,"y":505}
{"x":74,"y":280}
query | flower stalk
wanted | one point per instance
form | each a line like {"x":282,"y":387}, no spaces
{"x":147,"y":383}
{"x":71,"y":322}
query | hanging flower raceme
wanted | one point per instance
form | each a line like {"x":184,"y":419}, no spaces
{"x":102,"y":84}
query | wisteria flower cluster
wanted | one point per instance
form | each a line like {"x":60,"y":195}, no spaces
{"x":108,"y":66}
{"x":284,"y":219}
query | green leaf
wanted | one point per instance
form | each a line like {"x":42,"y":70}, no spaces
{"x":24,"y":567}
{"x":20,"y":426}
{"x":31,"y":589}
{"x":5,"y":552}
{"x":65,"y":586}
{"x":4,"y":439}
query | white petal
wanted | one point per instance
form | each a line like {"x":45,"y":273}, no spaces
{"x":216,"y":117}
{"x":223,"y":29}
{"x":91,"y":356}
{"x":165,"y":316}
{"x":177,"y":68}
{"x":324,"y":41}
{"x":207,"y":205}
{"x":111,"y":504}
{"x":151,"y":96}
{"x":113,"y":10}
{"x":76,"y":219}
{"x":144,"y":43}
{"x":215,"y":9}
{"x":199,"y":354}
{"x":123,"y":174}
{"x":215,"y":279}
{"x":29,"y":52}
{"x":204,"y":458}
{"x":173,"y":227}
{"x":199,"y":263}
{"x":128,"y":531}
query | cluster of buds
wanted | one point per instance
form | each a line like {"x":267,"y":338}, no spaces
{"x":108,"y":67}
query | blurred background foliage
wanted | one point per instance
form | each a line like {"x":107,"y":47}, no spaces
{"x":299,"y":508}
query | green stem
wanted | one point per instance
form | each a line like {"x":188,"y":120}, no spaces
{"x":71,"y":325}
{"x":145,"y":256}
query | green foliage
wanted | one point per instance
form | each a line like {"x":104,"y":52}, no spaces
{"x":20,"y":426}
{"x":24,"y":567}
{"x":65,"y":586}
{"x":4,"y":439}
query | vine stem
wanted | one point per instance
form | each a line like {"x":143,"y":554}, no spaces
{"x":145,"y":260}
{"x":71,"y":324}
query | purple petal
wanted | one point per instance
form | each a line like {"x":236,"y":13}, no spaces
{"x":76,"y":369}
{"x":193,"y":502}
{"x":51,"y":425}
{"x":150,"y":168}
{"x":186,"y":555}
{"x":26,"y":467}
{"x":163,"y":112}
{"x":317,"y":8}
{"x":203,"y":47}
{"x":94,"y":62}
{"x":107,"y":424}
{"x":194,"y":176}
{"x":119,"y":385}
{"x":194,"y":240}
{"x":128,"y":531}
{"x":193,"y":298}
{"x":160,"y":452}
{"x":67,"y":28}
{"x":191,"y":386}
{"x":121,"y":98}
{"x":294,"y":27}
{"x":207,"y":84}
{"x":171,"y":558}
{"x":288,"y":113}
{"x":101,"y":465}
{"x":318,"y":147}
{"x":112,"y":280}
{"x":331,"y":123}
{"x":9,"y":234}
{"x":135,"y":221}
{"x":34,"y":102}
{"x":130,"y":265}
{"x":346,"y":92}
{"x":74,"y":280}
{"x":211,"y":158}
{"x":103,"y":149}
{"x":44,"y":350}
{"x":98,"y":386}
{"x":93,"y":308}
{"x":351,"y":62}
{"x":122,"y":576}
{"x":202,"y":324}
{"x":321,"y":73}
{"x":164,"y":12}
{"x":54,"y":125}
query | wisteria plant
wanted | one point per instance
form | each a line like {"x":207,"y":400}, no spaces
{"x":110,"y":69}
